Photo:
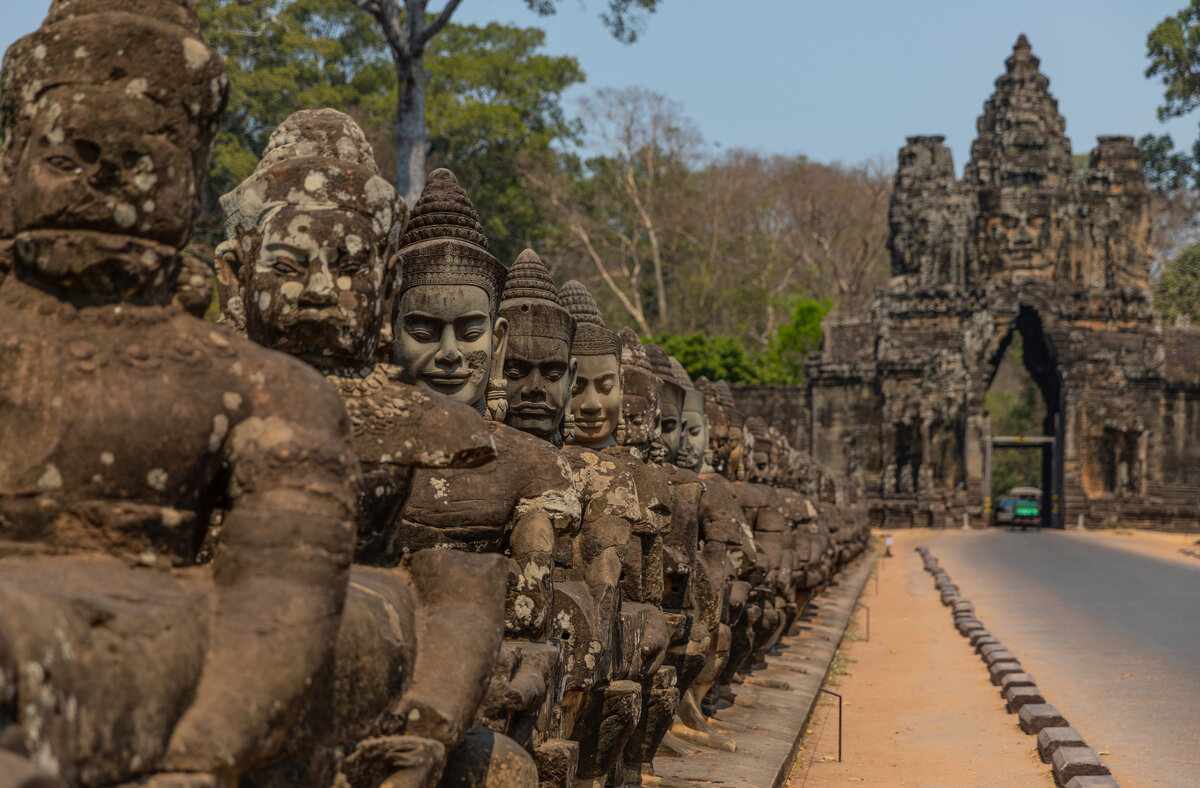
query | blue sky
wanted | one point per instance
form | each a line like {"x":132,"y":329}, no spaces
{"x":847,"y":80}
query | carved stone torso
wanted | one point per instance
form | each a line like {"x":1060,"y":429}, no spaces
{"x":473,"y":509}
{"x":94,"y":377}
{"x":397,"y":427}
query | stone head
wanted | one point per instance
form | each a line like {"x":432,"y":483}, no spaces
{"x":641,"y":394}
{"x":671,"y":425}
{"x":596,"y":396}
{"x":311,"y":241}
{"x":693,"y":441}
{"x":447,"y":330}
{"x":109,"y":110}
{"x":718,"y":426}
{"x":539,"y":372}
{"x":760,"y":469}
{"x":1017,"y":225}
{"x":738,"y":437}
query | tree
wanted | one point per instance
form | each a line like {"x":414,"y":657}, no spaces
{"x":408,"y":27}
{"x":793,"y":341}
{"x":1177,"y":293}
{"x":494,"y":99}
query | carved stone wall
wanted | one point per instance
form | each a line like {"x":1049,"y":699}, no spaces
{"x":1026,"y":246}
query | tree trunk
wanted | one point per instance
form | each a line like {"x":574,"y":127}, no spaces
{"x":412,"y":135}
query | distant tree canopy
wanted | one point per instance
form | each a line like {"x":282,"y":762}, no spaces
{"x":1177,"y":293}
{"x":623,"y":195}
{"x":1015,"y":407}
{"x":495,"y":98}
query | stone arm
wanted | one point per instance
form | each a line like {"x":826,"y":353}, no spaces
{"x":280,"y":572}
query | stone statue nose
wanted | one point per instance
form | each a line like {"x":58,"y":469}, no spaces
{"x":448,"y":352}
{"x":318,"y":288}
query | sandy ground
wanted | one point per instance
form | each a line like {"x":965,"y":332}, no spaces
{"x":919,"y":709}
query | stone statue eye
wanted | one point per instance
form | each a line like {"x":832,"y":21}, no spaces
{"x":64,"y":164}
{"x":286,"y":264}
{"x":669,"y":425}
{"x":472,"y":334}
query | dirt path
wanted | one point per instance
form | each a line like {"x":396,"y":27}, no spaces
{"x":919,"y":709}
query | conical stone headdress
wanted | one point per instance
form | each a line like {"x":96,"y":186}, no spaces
{"x":592,"y":338}
{"x":530,"y":303}
{"x":444,"y":243}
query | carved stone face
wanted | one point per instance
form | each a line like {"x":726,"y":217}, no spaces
{"x":760,"y":469}
{"x":694,"y":433}
{"x":1019,"y":231}
{"x":538,"y":373}
{"x":596,"y":399}
{"x":671,"y":428}
{"x":129,"y":175}
{"x":317,"y":284}
{"x":641,"y":416}
{"x":446,"y":340}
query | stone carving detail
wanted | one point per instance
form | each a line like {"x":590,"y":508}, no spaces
{"x":1027,"y":243}
{"x":405,"y":518}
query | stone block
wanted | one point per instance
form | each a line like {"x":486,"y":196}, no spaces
{"x":1035,"y":716}
{"x":1071,"y":762}
{"x":964,"y":606}
{"x":1016,"y":697}
{"x":989,"y":648}
{"x":979,"y":635}
{"x":1003,"y":655}
{"x":984,"y":640}
{"x":1092,"y":782}
{"x":966,"y":626}
{"x":1016,"y":680}
{"x":1050,"y":739}
{"x":999,"y":670}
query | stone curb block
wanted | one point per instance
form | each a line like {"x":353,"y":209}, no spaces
{"x":1071,"y":762}
{"x":1093,"y":782}
{"x":1016,"y":680}
{"x":1001,"y":669}
{"x":986,"y":640}
{"x":1003,"y":655}
{"x":963,"y":606}
{"x":1050,"y":739}
{"x":988,"y":648}
{"x":979,"y":635}
{"x":1016,"y":697}
{"x":1035,"y":716}
{"x":968,"y":625}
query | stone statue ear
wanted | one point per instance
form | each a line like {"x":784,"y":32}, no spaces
{"x":229,"y":264}
{"x":499,"y":343}
{"x":572,"y":372}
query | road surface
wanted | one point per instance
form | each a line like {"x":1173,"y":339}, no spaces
{"x":1111,"y":636}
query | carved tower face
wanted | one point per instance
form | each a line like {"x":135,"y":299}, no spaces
{"x":314,"y":230}
{"x":447,"y":330}
{"x":538,"y":369}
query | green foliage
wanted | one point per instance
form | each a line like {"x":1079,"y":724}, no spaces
{"x":723,"y":357}
{"x":1167,"y":170}
{"x":494,"y":101}
{"x":493,"y":97}
{"x":718,"y":357}
{"x":1177,"y":293}
{"x":1173,"y":48}
{"x":795,"y":340}
{"x":623,"y":18}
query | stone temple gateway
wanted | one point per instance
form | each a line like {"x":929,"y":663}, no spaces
{"x":1029,"y":247}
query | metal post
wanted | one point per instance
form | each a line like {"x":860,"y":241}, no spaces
{"x":839,"y":697}
{"x":868,"y":609}
{"x":987,"y":481}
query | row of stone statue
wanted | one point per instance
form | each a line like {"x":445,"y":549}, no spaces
{"x":456,"y":533}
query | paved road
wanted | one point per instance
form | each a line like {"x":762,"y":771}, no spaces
{"x":1112,"y":638}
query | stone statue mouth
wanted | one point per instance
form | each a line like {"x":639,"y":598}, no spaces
{"x":445,"y":379}
{"x":532,"y":409}
{"x":589,"y":424}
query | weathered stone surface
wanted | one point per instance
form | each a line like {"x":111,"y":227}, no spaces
{"x":1071,"y":762}
{"x":1092,"y":782}
{"x":1017,"y":696}
{"x":998,"y":670}
{"x":1035,"y":716}
{"x":1025,"y":246}
{"x":1050,"y":739}
{"x":1016,"y":680}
